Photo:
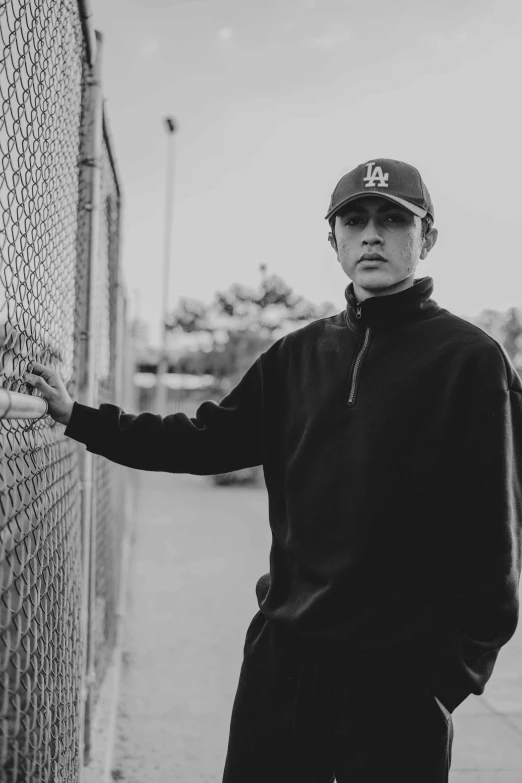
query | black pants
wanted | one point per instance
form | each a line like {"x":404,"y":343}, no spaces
{"x":308,"y":712}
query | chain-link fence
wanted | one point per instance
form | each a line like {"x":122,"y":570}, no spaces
{"x":62,"y":304}
{"x":108,"y":513}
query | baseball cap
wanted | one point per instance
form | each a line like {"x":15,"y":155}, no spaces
{"x":390,"y":179}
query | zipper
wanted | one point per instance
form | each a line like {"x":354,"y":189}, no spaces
{"x":360,"y":356}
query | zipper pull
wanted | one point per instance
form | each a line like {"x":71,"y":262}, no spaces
{"x":358,"y":314}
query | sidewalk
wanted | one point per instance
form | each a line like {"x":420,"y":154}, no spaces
{"x":199,"y":549}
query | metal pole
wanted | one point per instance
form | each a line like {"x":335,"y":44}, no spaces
{"x":84,"y":8}
{"x":161,"y":386}
{"x":15,"y":405}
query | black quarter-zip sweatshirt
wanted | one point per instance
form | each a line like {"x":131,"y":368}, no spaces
{"x":390,"y":437}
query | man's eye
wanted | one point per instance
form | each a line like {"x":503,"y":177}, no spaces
{"x":395,"y":218}
{"x":352,"y":221}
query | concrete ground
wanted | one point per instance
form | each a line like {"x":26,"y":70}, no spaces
{"x":197,"y":553}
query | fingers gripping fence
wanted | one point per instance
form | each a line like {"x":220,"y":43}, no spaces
{"x":61,"y":303}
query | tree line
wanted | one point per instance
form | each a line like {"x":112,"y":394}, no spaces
{"x":241,"y":322}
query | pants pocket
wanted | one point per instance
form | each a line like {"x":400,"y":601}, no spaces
{"x":444,"y":709}
{"x":444,"y":713}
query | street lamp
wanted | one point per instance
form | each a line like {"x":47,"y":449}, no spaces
{"x":161,"y":386}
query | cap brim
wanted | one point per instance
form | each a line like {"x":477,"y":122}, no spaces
{"x":406,"y":204}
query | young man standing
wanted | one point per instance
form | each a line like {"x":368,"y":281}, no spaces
{"x":391,"y":441}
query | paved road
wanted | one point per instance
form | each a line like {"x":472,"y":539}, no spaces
{"x":197,"y":554}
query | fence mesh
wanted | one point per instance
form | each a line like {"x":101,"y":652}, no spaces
{"x":109,"y":509}
{"x":44,"y":283}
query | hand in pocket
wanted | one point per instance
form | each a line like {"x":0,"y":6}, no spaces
{"x":446,"y":712}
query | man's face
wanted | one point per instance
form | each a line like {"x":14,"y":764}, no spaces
{"x":374,"y":226}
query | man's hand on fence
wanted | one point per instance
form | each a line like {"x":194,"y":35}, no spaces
{"x":52,"y":389}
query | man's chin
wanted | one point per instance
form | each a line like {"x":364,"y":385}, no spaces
{"x":374,"y":283}
{"x":373,"y":279}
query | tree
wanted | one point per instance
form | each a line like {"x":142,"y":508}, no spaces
{"x":506,"y":328}
{"x":512,"y":329}
{"x":190,"y":315}
{"x":269,"y":308}
{"x":243,"y":322}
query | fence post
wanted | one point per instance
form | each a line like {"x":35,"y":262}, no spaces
{"x":91,"y":169}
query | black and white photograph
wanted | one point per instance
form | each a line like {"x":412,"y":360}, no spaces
{"x":260,"y":391}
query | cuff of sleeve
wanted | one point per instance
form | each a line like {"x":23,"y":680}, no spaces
{"x":83,"y":423}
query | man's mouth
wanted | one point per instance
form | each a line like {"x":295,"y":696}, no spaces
{"x":372,"y":257}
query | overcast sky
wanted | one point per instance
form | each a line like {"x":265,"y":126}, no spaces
{"x":276,"y":100}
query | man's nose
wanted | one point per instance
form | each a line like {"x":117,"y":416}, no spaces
{"x":372,"y":234}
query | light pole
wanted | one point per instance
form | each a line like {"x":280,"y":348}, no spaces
{"x":161,"y":386}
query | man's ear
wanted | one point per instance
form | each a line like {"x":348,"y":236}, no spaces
{"x":428,"y":242}
{"x":332,"y":241}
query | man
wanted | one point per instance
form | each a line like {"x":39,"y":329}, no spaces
{"x":391,"y":441}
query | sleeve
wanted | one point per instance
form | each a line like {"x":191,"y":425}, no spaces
{"x":479,"y":612}
{"x":221,"y":438}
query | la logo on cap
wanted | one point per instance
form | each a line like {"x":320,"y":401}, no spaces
{"x":375,"y":178}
